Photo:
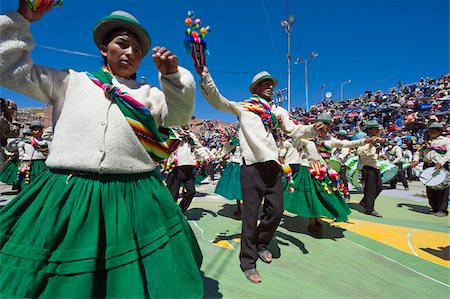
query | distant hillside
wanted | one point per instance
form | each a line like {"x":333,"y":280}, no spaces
{"x":27,"y":115}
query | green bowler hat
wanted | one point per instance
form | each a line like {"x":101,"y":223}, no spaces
{"x":35,"y":124}
{"x":371,"y":124}
{"x":122,"y":20}
{"x":342,"y":133}
{"x":324,"y":117}
{"x":259,"y":77}
{"x":436,"y":125}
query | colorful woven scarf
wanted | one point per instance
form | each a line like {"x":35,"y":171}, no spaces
{"x":184,"y":135}
{"x":324,"y":151}
{"x":438,"y":149}
{"x":160,"y":142}
{"x":258,"y":105}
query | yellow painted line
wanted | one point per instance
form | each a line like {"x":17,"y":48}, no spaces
{"x":224,"y":244}
{"x":237,"y":240}
{"x":422,"y":243}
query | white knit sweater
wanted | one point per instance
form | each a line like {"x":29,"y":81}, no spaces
{"x":90,"y":132}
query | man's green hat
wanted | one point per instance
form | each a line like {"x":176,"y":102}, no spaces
{"x":122,"y":20}
{"x":342,"y":133}
{"x":324,"y":117}
{"x":259,"y":77}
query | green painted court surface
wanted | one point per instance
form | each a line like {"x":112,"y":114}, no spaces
{"x":340,"y":264}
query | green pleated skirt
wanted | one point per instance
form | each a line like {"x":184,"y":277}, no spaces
{"x":91,"y":236}
{"x":229,"y":185}
{"x":9,"y":172}
{"x":309,"y":198}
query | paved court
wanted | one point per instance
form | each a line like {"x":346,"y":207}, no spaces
{"x":405,"y":254}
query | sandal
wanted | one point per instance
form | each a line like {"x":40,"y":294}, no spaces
{"x":252,"y":275}
{"x":265,"y":256}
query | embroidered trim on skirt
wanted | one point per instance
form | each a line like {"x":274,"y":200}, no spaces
{"x":309,"y":198}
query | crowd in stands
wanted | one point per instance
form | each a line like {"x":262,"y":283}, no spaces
{"x":403,"y":111}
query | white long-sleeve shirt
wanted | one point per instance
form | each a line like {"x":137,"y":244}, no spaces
{"x":256,"y":140}
{"x":430,"y":156}
{"x":407,"y":155}
{"x":289,"y":153}
{"x":396,"y":154}
{"x":29,"y":152}
{"x":90,"y":132}
{"x":186,"y":153}
{"x":368,"y":156}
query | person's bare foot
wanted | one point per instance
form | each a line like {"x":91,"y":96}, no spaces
{"x":252,"y":275}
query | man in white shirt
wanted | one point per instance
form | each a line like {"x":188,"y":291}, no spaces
{"x":183,"y":172}
{"x":261,"y":172}
{"x":371,"y":176}
{"x":436,"y":154}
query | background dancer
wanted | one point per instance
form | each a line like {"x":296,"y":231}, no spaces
{"x":371,"y":176}
{"x":261,"y":172}
{"x":436,"y":153}
{"x":35,"y":151}
{"x":183,"y":172}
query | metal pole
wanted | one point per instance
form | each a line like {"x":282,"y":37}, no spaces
{"x":342,"y":92}
{"x":321,"y":91}
{"x":289,"y":67}
{"x":306,"y":85}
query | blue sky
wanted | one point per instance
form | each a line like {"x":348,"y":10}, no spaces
{"x":374,"y":43}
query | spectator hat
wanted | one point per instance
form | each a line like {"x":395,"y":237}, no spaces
{"x":371,"y":124}
{"x":118,"y":20}
{"x":259,"y":77}
{"x":436,"y":125}
{"x":342,"y":133}
{"x":35,"y":124}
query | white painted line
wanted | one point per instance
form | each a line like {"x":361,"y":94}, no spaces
{"x":421,"y":274}
{"x":195,"y":223}
{"x":408,"y":237}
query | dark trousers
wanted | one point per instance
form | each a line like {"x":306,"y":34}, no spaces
{"x":259,"y":180}
{"x":401,"y":174}
{"x":343,"y":176}
{"x":438,"y":199}
{"x":182,"y":175}
{"x":209,"y":169}
{"x":373,"y":186}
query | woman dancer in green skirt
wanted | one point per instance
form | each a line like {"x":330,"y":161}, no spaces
{"x":229,"y":184}
{"x":316,"y":191}
{"x":99,"y":222}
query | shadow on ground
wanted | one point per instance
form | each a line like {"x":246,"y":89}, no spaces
{"x":198,"y":213}
{"x":441,"y":252}
{"x":415,"y":208}
{"x":299,"y":224}
{"x":211,"y":287}
{"x":356,"y":207}
{"x":228,"y":210}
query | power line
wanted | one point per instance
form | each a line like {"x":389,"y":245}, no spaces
{"x":271,"y":37}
